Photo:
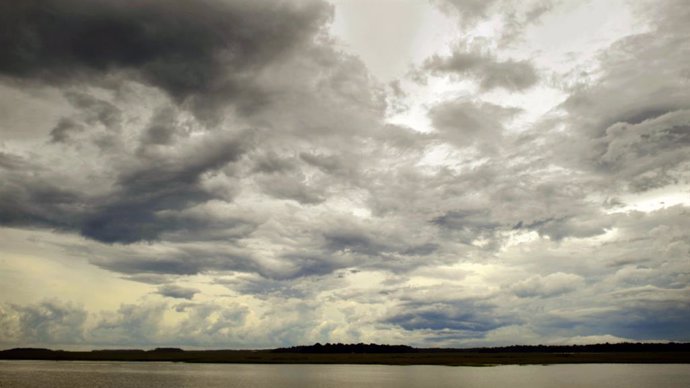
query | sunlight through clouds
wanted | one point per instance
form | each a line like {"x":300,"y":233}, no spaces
{"x":232,"y":174}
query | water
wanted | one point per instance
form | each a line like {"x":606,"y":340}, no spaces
{"x":74,"y":374}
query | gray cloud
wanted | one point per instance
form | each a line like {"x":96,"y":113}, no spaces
{"x":149,"y":278}
{"x":489,"y":71}
{"x":515,"y":16}
{"x":633,"y":312}
{"x":176,"y":260}
{"x":175,"y":291}
{"x":162,"y":128}
{"x":466,"y":123}
{"x":176,"y":162}
{"x":636,"y":139}
{"x":292,"y":187}
{"x":62,"y":130}
{"x":266,"y":288}
{"x":353,"y":241}
{"x":656,"y":144}
{"x":132,"y":211}
{"x":274,"y":177}
{"x":469,"y":10}
{"x":131,"y":325}
{"x":95,"y":110}
{"x":547,"y":286}
{"x":467,"y":318}
{"x":162,"y":184}
{"x":471,"y":224}
{"x":181,"y":47}
{"x":207,"y":323}
{"x":47,"y":322}
{"x":30,"y":200}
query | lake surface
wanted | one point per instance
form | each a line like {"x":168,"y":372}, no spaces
{"x":76,"y":374}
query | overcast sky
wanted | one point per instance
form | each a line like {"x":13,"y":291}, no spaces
{"x":252,"y":174}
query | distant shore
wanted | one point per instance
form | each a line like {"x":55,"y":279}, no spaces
{"x":381,"y":354}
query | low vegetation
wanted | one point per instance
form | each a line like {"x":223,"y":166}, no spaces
{"x":381,"y":354}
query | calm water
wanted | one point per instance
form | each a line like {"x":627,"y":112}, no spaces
{"x":75,"y":374}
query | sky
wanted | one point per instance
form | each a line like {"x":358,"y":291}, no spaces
{"x":256,"y":174}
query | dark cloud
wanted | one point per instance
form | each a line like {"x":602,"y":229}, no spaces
{"x":150,"y":278}
{"x":270,"y":163}
{"x":353,"y":241}
{"x":201,"y":54}
{"x":162,"y":128}
{"x":145,"y":203}
{"x":306,"y":263}
{"x":651,"y":313}
{"x":183,"y":47}
{"x":31,"y":200}
{"x":471,"y":318}
{"x":131,"y":214}
{"x":193,"y":52}
{"x":177,"y":260}
{"x":260,"y":159}
{"x":488,"y":70}
{"x":175,"y":291}
{"x":61,"y":132}
{"x":641,"y":313}
{"x":421,"y":249}
{"x":471,"y":224}
{"x":368,"y":246}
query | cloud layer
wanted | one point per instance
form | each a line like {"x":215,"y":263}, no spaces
{"x":233,"y":161}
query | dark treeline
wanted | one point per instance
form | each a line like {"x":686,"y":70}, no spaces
{"x":595,"y":348}
{"x":382,"y":354}
{"x":339,"y":348}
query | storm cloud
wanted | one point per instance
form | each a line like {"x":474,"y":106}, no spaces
{"x":232,"y":174}
{"x":182,"y":47}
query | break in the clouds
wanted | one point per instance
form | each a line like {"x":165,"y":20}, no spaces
{"x":236,"y":174}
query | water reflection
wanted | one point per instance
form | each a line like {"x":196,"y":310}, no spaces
{"x":122,"y":374}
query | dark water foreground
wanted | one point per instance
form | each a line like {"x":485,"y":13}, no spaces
{"x":78,"y":374}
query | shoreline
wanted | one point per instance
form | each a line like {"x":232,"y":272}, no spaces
{"x":416,"y":358}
